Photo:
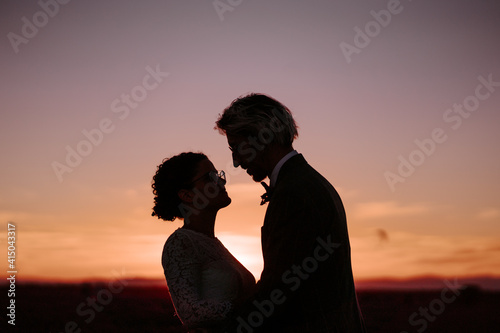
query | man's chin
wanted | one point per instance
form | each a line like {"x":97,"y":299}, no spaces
{"x":258,"y":178}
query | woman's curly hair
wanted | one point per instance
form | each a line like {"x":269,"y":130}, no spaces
{"x":172,"y":175}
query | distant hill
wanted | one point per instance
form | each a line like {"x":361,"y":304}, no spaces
{"x":428,"y":283}
{"x":144,"y":305}
{"x":489,"y":283}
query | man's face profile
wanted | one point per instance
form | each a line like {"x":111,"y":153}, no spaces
{"x":249,"y":155}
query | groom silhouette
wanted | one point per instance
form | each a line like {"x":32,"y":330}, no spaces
{"x":306,"y":284}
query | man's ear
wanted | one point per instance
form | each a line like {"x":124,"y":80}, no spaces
{"x":186,"y":195}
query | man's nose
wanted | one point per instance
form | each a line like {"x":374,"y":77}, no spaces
{"x":236,"y":162}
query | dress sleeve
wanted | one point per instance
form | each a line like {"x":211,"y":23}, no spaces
{"x":182,"y":266}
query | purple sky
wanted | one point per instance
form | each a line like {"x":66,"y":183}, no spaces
{"x":359,"y":116}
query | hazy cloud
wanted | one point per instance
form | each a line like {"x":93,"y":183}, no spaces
{"x":378,"y":209}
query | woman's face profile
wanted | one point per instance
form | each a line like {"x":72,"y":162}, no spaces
{"x":209,"y":192}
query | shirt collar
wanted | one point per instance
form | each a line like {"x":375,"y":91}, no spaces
{"x":277,"y":168}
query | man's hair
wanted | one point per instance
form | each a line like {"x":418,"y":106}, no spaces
{"x":258,"y":115}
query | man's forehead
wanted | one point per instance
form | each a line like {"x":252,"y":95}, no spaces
{"x":235,"y":139}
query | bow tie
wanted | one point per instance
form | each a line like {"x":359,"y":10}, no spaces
{"x":266,"y":196}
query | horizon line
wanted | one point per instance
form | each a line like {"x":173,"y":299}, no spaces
{"x":418,"y":282}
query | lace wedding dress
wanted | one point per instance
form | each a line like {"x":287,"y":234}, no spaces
{"x":203,"y":278}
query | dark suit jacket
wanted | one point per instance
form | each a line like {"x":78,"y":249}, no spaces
{"x":307,"y":283}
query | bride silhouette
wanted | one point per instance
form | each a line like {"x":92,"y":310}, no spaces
{"x":205,"y":281}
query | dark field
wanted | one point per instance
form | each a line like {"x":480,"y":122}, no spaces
{"x":88,"y":307}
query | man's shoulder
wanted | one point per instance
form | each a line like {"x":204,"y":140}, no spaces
{"x":298,"y":173}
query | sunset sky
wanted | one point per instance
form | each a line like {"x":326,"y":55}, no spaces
{"x":397,"y":102}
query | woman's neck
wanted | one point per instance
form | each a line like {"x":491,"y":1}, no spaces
{"x":202,"y":222}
